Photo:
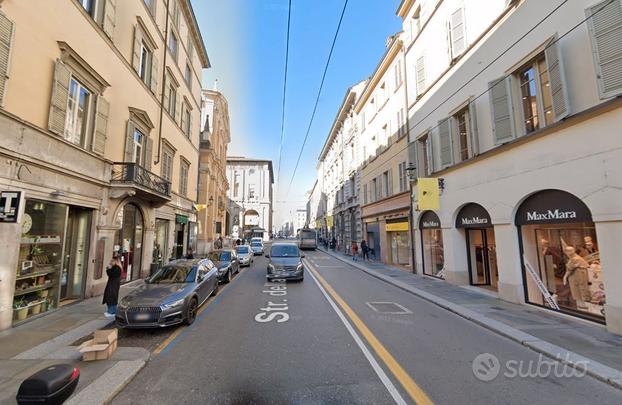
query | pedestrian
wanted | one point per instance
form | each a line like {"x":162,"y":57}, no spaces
{"x":218,"y":243}
{"x":113,"y":285}
{"x":189,"y":254}
{"x":333,"y":243}
{"x":238,"y":242}
{"x":365,"y":250}
{"x":355,"y":250}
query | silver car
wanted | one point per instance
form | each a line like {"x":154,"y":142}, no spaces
{"x":257,"y":247}
{"x":245,"y":255}
{"x":171,"y":296}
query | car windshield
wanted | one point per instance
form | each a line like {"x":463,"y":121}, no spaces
{"x":284,"y":251}
{"x":256,"y":244}
{"x":219,"y":256}
{"x":173,"y":274}
{"x":307,"y":235}
{"x":242,"y":249}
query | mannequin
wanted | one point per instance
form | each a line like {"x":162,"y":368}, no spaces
{"x":577,"y":276}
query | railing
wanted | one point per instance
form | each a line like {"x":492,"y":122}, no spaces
{"x":132,"y":173}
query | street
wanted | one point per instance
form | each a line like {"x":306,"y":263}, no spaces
{"x":325,"y":341}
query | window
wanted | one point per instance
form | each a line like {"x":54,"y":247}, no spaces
{"x":167,"y":163}
{"x":188,"y":120}
{"x":420,"y":72}
{"x":423,"y":155}
{"x":236,"y":184}
{"x":401,"y":129}
{"x":457,"y":33}
{"x":172,"y":99}
{"x":415,"y":23}
{"x":462,"y":125}
{"x":90,"y":6}
{"x":535,"y":93}
{"x":605,"y":25}
{"x":364,"y":193}
{"x":251,"y":191}
{"x":144,"y":63}
{"x":151,"y":4}
{"x":387,"y":187}
{"x":374,"y":190}
{"x":175,"y":13}
{"x":138,"y":147}
{"x":190,"y":49}
{"x":363,"y":120}
{"x":183,"y":178}
{"x":78,"y":103}
{"x":403,"y":177}
{"x":173,"y":44}
{"x":382,"y":95}
{"x":398,"y":74}
{"x":188,"y":75}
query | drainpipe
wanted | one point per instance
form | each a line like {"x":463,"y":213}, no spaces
{"x":411,"y":212}
{"x":166,"y":35}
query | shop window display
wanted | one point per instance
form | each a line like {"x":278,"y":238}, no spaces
{"x":433,"y":255}
{"x":40,"y":255}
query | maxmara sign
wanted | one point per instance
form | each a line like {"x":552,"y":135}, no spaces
{"x":552,"y":207}
{"x":473,"y":216}
{"x":474,"y":221}
{"x":551,"y":215}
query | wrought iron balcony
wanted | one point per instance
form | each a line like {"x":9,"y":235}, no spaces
{"x":150,"y":186}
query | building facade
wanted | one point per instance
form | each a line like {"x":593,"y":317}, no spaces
{"x":89,"y":107}
{"x":250,"y":197}
{"x":527,"y":149}
{"x":338,"y":175}
{"x":301,"y":219}
{"x":213,"y":185}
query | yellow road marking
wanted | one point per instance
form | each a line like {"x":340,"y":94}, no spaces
{"x":415,"y":392}
{"x":181,"y":328}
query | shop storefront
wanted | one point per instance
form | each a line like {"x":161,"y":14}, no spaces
{"x":181,"y":236}
{"x":372,"y":230}
{"x":480,"y":245}
{"x":53,"y":257}
{"x":397,"y":234}
{"x":161,"y":254}
{"x":432,"y":244}
{"x":129,"y":242}
{"x":560,"y":255}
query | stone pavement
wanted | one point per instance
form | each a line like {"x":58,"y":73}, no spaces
{"x":48,"y":340}
{"x":573,"y":341}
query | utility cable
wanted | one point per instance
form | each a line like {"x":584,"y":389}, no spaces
{"x":278,"y":170}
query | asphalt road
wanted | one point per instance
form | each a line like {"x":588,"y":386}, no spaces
{"x":333,"y":345}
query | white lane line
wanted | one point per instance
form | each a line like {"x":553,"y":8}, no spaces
{"x":397,"y":397}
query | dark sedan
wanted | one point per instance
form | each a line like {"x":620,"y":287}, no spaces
{"x":285,"y":262}
{"x":227,"y":263}
{"x":171,"y":296}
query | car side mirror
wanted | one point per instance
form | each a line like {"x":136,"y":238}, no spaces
{"x":267,"y":255}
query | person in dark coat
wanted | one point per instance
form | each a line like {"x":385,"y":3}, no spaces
{"x":111,"y":293}
{"x":365,"y":250}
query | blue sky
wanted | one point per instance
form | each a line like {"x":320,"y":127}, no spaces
{"x":245,"y":40}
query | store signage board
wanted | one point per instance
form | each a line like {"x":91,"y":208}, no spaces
{"x":9,"y":206}
{"x":536,"y":279}
{"x":552,"y":207}
{"x":397,"y":227}
{"x":473,"y":216}
{"x":429,"y":220}
{"x":181,"y":219}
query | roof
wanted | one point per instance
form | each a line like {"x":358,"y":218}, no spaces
{"x":403,"y":8}
{"x":242,"y":159}
{"x":193,"y":27}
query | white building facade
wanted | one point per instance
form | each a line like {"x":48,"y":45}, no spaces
{"x":524,"y":140}
{"x":250,"y":197}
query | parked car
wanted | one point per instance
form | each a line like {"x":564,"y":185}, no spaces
{"x":257,"y":247}
{"x":256,"y":239}
{"x":245,"y":255}
{"x":227,"y":263}
{"x":171,"y":296}
{"x":285,"y":262}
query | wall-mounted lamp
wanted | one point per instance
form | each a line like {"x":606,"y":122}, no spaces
{"x":441,"y":184}
{"x":411,"y":172}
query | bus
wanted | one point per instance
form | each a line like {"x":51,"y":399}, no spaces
{"x":307,"y":239}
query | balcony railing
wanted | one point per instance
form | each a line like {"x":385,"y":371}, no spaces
{"x":134,"y":174}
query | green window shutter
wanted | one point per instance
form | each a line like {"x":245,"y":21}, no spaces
{"x":473,"y":129}
{"x":109,"y":17}
{"x":444,"y":137}
{"x":60,"y":94}
{"x":502,"y":113}
{"x":138,"y":41}
{"x":129,"y":143}
{"x":148,"y":153}
{"x":6,"y":39}
{"x":605,"y":28}
{"x":557,"y":80}
{"x":101,"y":126}
{"x":153,"y":84}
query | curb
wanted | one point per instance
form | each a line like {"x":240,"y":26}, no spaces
{"x":592,"y":368}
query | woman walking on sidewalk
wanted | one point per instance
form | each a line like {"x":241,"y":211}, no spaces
{"x":111,"y":293}
{"x":365,"y":250}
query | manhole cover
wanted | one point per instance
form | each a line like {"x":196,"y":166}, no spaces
{"x":388,"y":308}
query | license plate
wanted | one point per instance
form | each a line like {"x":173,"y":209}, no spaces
{"x":142,"y":317}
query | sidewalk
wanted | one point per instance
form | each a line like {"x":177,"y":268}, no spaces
{"x":48,"y":340}
{"x":573,"y":341}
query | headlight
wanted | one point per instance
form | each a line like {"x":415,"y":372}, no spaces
{"x":123,"y":304}
{"x":173,"y":304}
{"x":300,"y":267}
{"x":270,"y":268}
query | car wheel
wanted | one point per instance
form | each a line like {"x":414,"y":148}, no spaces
{"x":191,"y":311}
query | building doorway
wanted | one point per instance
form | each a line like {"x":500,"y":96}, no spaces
{"x":130,"y":242}
{"x":76,"y":252}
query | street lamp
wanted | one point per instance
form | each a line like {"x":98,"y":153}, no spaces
{"x":411,"y":172}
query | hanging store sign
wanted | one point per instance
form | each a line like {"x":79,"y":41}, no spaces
{"x":9,"y":206}
{"x":181,"y":219}
{"x":428,"y":194}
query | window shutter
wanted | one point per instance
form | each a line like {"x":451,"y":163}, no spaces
{"x":473,"y":129}
{"x":420,"y":68}
{"x":412,"y":156}
{"x":557,"y":80}
{"x":165,"y":93}
{"x":60,"y":94}
{"x":101,"y":126}
{"x":6,"y":39}
{"x":390,"y":185}
{"x":458,"y":33}
{"x":129,"y":143}
{"x":183,"y":117}
{"x":501,"y":107}
{"x":109,"y":17}
{"x":190,"y":125}
{"x":178,"y":105}
{"x":430,"y":149}
{"x":444,"y":137}
{"x":138,"y":40}
{"x":153,"y":84}
{"x":606,"y":29}
{"x":148,"y":153}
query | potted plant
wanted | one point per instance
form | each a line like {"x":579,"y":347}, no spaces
{"x":20,"y":308}
{"x":44,"y":304}
{"x":35,"y":308}
{"x":43,"y":293}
